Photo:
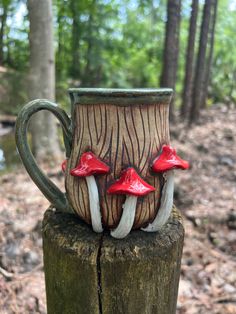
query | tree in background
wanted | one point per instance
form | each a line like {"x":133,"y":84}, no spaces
{"x":5,"y":6}
{"x":189,"y":63}
{"x":13,"y":39}
{"x":210,"y":54}
{"x":90,"y":77}
{"x":201,"y":63}
{"x":171,"y":48}
{"x":75,"y":39}
{"x":62,"y":51}
{"x":42,"y":78}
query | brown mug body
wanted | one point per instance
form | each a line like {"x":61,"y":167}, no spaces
{"x":123,"y":128}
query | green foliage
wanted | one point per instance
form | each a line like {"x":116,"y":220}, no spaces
{"x":224,"y":65}
{"x":114,"y":43}
{"x":13,"y":89}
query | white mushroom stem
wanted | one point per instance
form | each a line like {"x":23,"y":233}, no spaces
{"x":94,"y":204}
{"x":166,"y":203}
{"x":127,"y":219}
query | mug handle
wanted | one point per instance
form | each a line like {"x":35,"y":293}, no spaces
{"x":46,"y":186}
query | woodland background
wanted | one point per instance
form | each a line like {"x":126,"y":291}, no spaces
{"x":122,"y":44}
{"x":48,"y":46}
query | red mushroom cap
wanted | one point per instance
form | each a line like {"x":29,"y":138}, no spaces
{"x":168,"y":159}
{"x":130,"y":183}
{"x":63,"y":165}
{"x":89,"y":165}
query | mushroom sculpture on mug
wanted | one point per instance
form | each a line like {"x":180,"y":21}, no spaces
{"x":165,"y":163}
{"x":88,"y":166}
{"x":64,"y":165}
{"x":132,"y":186}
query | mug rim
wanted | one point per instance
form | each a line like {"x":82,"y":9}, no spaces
{"x":120,"y":96}
{"x":119,"y":91}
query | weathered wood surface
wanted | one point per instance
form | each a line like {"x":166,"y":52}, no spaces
{"x":121,"y":136}
{"x":92,"y":273}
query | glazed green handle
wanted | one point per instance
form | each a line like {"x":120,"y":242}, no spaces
{"x":47,"y":187}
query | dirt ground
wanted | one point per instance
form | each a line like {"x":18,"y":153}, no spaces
{"x":206,"y":196}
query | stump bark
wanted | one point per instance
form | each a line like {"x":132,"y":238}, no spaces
{"x":89,"y":273}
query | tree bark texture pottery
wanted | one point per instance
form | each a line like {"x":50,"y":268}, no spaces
{"x":123,"y":129}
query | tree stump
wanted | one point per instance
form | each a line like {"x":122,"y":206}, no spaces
{"x":89,"y":273}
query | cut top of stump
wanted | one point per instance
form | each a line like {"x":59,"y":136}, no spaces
{"x":71,"y":234}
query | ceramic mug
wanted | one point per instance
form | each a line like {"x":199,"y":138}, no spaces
{"x":123,"y":130}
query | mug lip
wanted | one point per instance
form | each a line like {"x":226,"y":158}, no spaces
{"x":120,"y":96}
{"x":120,"y":91}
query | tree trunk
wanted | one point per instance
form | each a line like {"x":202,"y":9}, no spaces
{"x":8,"y":58}
{"x":232,"y":87}
{"x":171,"y":49}
{"x":201,"y":63}
{"x":42,"y":78}
{"x":59,"y":56}
{"x":87,"y":80}
{"x":189,"y":66}
{"x":75,"y":41}
{"x":2,"y":31}
{"x":209,"y":59}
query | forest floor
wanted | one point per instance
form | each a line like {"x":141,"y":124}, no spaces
{"x":206,"y":196}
